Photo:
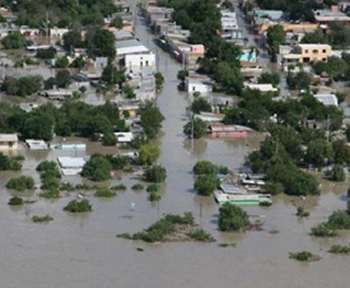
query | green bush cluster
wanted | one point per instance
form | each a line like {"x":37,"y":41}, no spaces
{"x":49,"y":174}
{"x":340,"y":249}
{"x":301,"y":212}
{"x":200,"y":235}
{"x":322,"y":230}
{"x":163,"y":227}
{"x":302,"y":256}
{"x":41,"y":219}
{"x":118,"y":187}
{"x":137,"y":187}
{"x":232,"y":218}
{"x":98,"y":168}
{"x":10,"y":162}
{"x":15,"y":201}
{"x":21,"y":183}
{"x":76,"y":206}
{"x":155,"y":174}
{"x":105,"y":192}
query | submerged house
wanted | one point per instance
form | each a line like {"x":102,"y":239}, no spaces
{"x":226,"y":131}
{"x":8,"y":141}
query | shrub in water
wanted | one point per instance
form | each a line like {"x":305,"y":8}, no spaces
{"x":76,"y":206}
{"x":15,"y":201}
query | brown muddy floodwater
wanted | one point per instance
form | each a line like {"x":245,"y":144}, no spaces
{"x":82,"y":251}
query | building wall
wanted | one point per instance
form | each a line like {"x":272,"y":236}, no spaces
{"x":315,"y":52}
{"x":8,"y":145}
{"x":135,"y":62}
{"x":192,"y":87}
{"x":224,"y":134}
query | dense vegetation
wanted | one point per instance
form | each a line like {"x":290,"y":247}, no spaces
{"x":105,"y":192}
{"x":339,"y":249}
{"x":202,"y":18}
{"x":232,"y":218}
{"x":76,"y":206}
{"x":41,"y":219}
{"x":98,"y":168}
{"x":15,"y":201}
{"x":339,"y":220}
{"x":21,"y":183}
{"x":61,"y":13}
{"x":304,"y":256}
{"x":170,"y":228}
{"x":10,"y":162}
{"x":155,"y":173}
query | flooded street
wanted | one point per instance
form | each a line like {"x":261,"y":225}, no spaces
{"x":83,"y":252}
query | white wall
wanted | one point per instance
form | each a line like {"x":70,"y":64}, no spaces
{"x":135,"y":62}
{"x":202,"y":87}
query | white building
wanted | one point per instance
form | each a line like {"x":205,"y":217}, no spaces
{"x":228,"y":21}
{"x":129,"y":47}
{"x":8,"y":142}
{"x":327,"y":99}
{"x":261,"y":87}
{"x":203,"y":86}
{"x":135,"y":63}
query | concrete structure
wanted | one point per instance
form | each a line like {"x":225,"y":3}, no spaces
{"x":198,"y":84}
{"x":228,"y":21}
{"x":36,"y":144}
{"x":210,"y":117}
{"x":154,"y":13}
{"x":135,"y":63}
{"x":325,"y":16}
{"x":224,"y":131}
{"x":71,"y":165}
{"x":59,"y":94}
{"x":261,"y":87}
{"x":327,"y":99}
{"x":129,"y":47}
{"x":8,"y":142}
{"x":58,"y":32}
{"x":305,"y":53}
{"x":124,"y":137}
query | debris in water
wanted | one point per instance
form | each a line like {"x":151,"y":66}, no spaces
{"x":139,"y":249}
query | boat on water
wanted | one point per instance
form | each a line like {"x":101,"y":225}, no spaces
{"x":242,"y":199}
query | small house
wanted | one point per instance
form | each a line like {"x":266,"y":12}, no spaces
{"x":227,"y":131}
{"x":124,"y":137}
{"x":8,"y":141}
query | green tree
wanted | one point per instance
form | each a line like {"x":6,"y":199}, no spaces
{"x":73,"y":39}
{"x":341,"y":152}
{"x":182,"y":74}
{"x":103,"y":44}
{"x":49,"y":53}
{"x":111,"y":75}
{"x":205,"y":167}
{"x":14,"y":40}
{"x":196,"y":128}
{"x":273,"y":78}
{"x":21,"y":183}
{"x":155,"y":174}
{"x":76,"y":206}
{"x":159,"y":80}
{"x":275,"y":37}
{"x":200,"y":105}
{"x":337,"y":173}
{"x":79,"y":63}
{"x":63,"y":78}
{"x":98,"y":168}
{"x":148,"y":154}
{"x":117,"y":22}
{"x":232,"y":218}
{"x":316,"y":37}
{"x":319,"y":153}
{"x":37,"y":126}
{"x":206,"y":184}
{"x":151,"y":119}
{"x":62,"y":62}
